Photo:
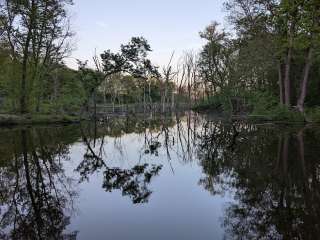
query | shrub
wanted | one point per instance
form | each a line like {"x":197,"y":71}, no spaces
{"x":262,"y":103}
{"x":219,"y":102}
{"x":283,"y":113}
{"x":313,"y":114}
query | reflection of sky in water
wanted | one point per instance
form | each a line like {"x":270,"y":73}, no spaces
{"x":177,"y":209}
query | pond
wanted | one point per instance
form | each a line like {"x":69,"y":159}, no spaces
{"x":183,"y":176}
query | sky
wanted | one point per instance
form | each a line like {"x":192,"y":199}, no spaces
{"x":168,"y":25}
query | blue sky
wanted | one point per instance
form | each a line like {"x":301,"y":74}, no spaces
{"x":167,"y":25}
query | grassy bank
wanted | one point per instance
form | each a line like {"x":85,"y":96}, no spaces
{"x":219,"y":103}
{"x":277,"y":113}
{"x":267,"y":108}
{"x":259,"y":107}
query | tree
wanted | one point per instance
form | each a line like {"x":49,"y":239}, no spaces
{"x":37,"y":32}
{"x":131,"y":60}
{"x":214,"y":58}
{"x":276,"y":33}
{"x":310,"y":31}
{"x":288,"y":18}
{"x":91,"y":80}
{"x":256,"y":43}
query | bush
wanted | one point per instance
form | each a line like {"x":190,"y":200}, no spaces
{"x":219,"y":102}
{"x":313,"y":114}
{"x":266,"y":106}
{"x":263,"y":106}
{"x":262,"y":103}
{"x":283,"y":113}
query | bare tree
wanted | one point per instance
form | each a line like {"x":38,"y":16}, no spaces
{"x":168,"y":75}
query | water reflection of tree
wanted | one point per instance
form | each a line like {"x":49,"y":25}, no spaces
{"x":176,"y":135}
{"x":132,"y":182}
{"x":35,"y":194}
{"x":186,"y":135}
{"x":274,"y":173}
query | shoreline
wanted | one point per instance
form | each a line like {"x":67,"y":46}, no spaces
{"x":8,"y":120}
{"x":252,"y":118}
{"x":36,"y":119}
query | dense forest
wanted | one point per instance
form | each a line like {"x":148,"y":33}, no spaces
{"x":271,"y":57}
{"x":267,"y":63}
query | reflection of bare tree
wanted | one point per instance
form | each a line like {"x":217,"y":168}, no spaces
{"x":34,"y":192}
{"x":162,"y":137}
{"x":177,"y":139}
{"x":183,"y":138}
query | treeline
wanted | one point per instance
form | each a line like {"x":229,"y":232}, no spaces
{"x":269,"y":60}
{"x":35,"y":39}
{"x":271,"y":54}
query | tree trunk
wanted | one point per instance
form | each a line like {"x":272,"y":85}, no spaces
{"x":304,"y":81}
{"x":23,"y":96}
{"x":287,"y":81}
{"x":280,"y":82}
{"x":95,"y":104}
{"x":172,"y":101}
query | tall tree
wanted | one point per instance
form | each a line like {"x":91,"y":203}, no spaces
{"x":37,"y":32}
{"x":256,"y":46}
{"x":215,"y":57}
{"x":310,"y":31}
{"x":288,"y":17}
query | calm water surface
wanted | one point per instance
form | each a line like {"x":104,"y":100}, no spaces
{"x":175,"y":177}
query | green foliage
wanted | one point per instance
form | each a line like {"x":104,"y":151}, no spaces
{"x":131,"y":59}
{"x":208,"y":105}
{"x":266,"y":106}
{"x":220,"y":102}
{"x":248,"y":65}
{"x":62,"y":92}
{"x":36,"y":36}
{"x":274,"y":54}
{"x":313,"y":115}
{"x":262,"y":102}
{"x":282,"y":113}
{"x":216,"y":59}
